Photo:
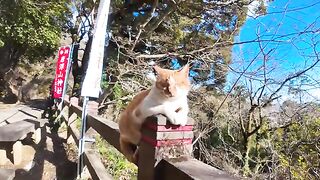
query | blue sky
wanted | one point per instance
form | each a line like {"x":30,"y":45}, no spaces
{"x":285,"y":22}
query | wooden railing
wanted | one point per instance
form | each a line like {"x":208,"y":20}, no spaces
{"x":165,"y":151}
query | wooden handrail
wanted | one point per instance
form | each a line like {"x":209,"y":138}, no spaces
{"x":156,"y":160}
{"x":188,"y":168}
{"x":109,"y":130}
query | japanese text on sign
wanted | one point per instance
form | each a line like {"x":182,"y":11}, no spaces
{"x":61,"y":68}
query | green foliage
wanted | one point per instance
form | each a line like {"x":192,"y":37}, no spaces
{"x":32,"y":25}
{"x":115,"y":163}
{"x":104,"y":82}
{"x":281,"y":151}
{"x":78,"y":122}
{"x":298,"y":149}
{"x":190,"y":32}
{"x":187,"y":28}
{"x":118,"y":93}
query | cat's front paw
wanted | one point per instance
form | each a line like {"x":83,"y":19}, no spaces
{"x":183,"y":121}
{"x":176,"y":117}
{"x":178,"y":120}
{"x":174,"y":121}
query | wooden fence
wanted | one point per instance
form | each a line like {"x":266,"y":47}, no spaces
{"x":164,"y":152}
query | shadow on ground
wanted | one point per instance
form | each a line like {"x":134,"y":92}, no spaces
{"x":49,"y":163}
{"x":37,"y":103}
{"x":52,"y":157}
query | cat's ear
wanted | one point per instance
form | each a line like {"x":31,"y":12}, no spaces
{"x":158,"y":70}
{"x":185,"y":70}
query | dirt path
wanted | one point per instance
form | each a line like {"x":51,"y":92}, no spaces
{"x":52,"y":158}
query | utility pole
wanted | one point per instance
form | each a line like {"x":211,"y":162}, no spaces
{"x":91,"y":84}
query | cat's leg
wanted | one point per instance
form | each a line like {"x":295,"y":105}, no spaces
{"x":166,"y":110}
{"x":129,"y":150}
{"x":171,"y":114}
{"x":144,"y":111}
{"x":178,"y":116}
{"x":136,"y":155}
{"x":182,"y":115}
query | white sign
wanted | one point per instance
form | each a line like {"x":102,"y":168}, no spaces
{"x":91,"y":84}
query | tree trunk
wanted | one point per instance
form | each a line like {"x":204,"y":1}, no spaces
{"x":248,"y":142}
{"x":85,"y":58}
{"x":79,"y":70}
{"x":246,"y":158}
{"x":75,"y":72}
{"x":9,"y":57}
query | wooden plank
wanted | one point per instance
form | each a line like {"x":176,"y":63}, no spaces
{"x":66,"y":101}
{"x":169,"y":142}
{"x":64,"y":117}
{"x":146,"y":161}
{"x":7,"y":174}
{"x":96,"y":168}
{"x":189,"y":168}
{"x":74,"y":133}
{"x":71,"y":121}
{"x":64,"y":112}
{"x":109,"y":130}
{"x":163,"y":120}
{"x":76,"y":109}
{"x":178,"y":169}
{"x":168,"y":135}
{"x":167,"y":128}
{"x":166,"y":171}
{"x":200,"y":170}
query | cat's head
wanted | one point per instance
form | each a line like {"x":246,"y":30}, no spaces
{"x":172,"y":83}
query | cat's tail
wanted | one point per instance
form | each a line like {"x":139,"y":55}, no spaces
{"x":129,"y":150}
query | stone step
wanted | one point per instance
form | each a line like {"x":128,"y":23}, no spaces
{"x":7,"y":174}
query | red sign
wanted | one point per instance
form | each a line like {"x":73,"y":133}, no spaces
{"x":62,"y":63}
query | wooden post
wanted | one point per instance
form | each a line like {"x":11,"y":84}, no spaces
{"x":162,"y":140}
{"x":74,"y":100}
{"x":72,"y":116}
{"x":93,"y":107}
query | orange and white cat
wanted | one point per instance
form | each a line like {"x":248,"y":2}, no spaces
{"x":168,"y":96}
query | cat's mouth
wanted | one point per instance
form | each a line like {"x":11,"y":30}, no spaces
{"x":166,"y":91}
